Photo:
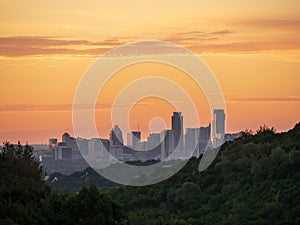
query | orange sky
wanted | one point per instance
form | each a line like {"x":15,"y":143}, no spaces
{"x":45,"y":47}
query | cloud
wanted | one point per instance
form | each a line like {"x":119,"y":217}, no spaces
{"x":243,"y":47}
{"x":206,"y":33}
{"x":61,"y":107}
{"x":32,"y":108}
{"x":197,"y":35}
{"x":275,"y":24}
{"x":146,"y":48}
{"x":39,"y":45}
{"x":222,"y":32}
{"x":216,"y":41}
{"x":38,"y":41}
{"x":48,"y":108}
{"x":187,"y":39}
{"x":18,"y":46}
{"x":198,"y":41}
{"x":266,"y":100}
{"x":48,"y":41}
{"x":28,"y":51}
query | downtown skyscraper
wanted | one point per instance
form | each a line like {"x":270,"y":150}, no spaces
{"x":177,"y":128}
{"x":218,"y":127}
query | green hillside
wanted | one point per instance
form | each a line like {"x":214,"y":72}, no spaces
{"x":26,"y":199}
{"x":254,"y":180}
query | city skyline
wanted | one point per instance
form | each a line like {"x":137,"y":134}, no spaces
{"x":158,"y":146}
{"x":135,"y":135}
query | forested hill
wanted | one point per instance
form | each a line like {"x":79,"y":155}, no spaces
{"x":26,"y":199}
{"x":254,"y":180}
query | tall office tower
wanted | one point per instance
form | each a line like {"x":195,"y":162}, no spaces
{"x":133,"y":139}
{"x":52,"y":147}
{"x":153,"y":140}
{"x":177,"y":127}
{"x":71,"y":143}
{"x":218,"y":126}
{"x":116,"y":137}
{"x":136,"y":138}
{"x":66,"y":138}
{"x":94,"y":147}
{"x":63,"y":151}
{"x":52,"y":141}
{"x":205,"y":133}
{"x":116,"y":151}
{"x":167,"y":144}
{"x":192,"y":141}
{"x":129,"y":140}
{"x":82,"y":145}
{"x":97,"y":147}
{"x":105,"y":144}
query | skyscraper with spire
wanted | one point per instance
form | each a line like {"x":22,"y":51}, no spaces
{"x":116,"y":136}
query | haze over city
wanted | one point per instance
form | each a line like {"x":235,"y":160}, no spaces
{"x":45,"y":48}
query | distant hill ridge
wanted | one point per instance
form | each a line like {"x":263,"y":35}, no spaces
{"x":254,"y":179}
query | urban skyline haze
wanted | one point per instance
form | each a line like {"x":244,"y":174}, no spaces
{"x":252,"y":47}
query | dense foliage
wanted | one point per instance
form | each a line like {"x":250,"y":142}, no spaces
{"x":254,"y":180}
{"x":77,"y":180}
{"x":26,"y":199}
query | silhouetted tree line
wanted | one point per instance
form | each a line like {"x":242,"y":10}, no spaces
{"x":254,"y":179}
{"x":26,"y":199}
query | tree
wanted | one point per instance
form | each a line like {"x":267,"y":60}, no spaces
{"x":26,"y":199}
{"x":254,"y":180}
{"x":21,"y":186}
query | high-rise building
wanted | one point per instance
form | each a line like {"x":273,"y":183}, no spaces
{"x":218,"y":126}
{"x":129,"y":140}
{"x":218,"y":122}
{"x":167,"y":144}
{"x":66,"y":138}
{"x":205,"y":134}
{"x":116,"y":136}
{"x":192,"y":141}
{"x":116,"y":151}
{"x":196,"y":140}
{"x":52,"y":147}
{"x":93,"y":145}
{"x":82,"y":145}
{"x":71,"y":143}
{"x":63,"y":152}
{"x":52,"y":141}
{"x":133,"y":139}
{"x":116,"y":143}
{"x":105,"y":143}
{"x":153,"y":140}
{"x":136,"y":138}
{"x":177,"y":127}
{"x":97,"y":146}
